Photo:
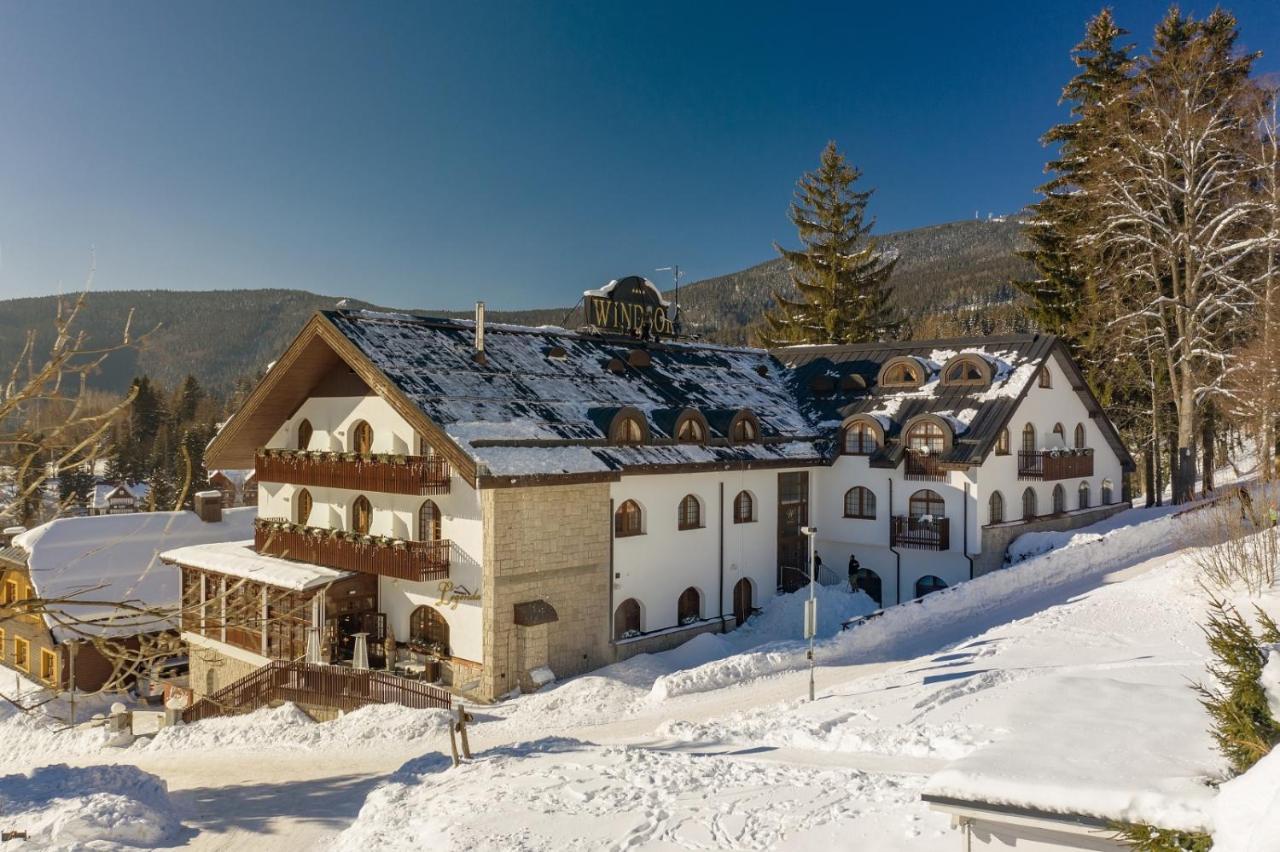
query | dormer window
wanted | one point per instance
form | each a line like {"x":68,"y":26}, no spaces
{"x":860,"y":439}
{"x":744,"y":431}
{"x":690,"y":431}
{"x":903,"y":371}
{"x":966,"y":370}
{"x":628,"y":431}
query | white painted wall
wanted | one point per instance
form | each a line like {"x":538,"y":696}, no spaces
{"x":396,"y":515}
{"x":655,"y":568}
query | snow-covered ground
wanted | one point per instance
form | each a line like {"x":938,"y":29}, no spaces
{"x":714,"y":745}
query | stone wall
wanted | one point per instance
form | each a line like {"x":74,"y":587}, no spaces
{"x":667,"y":640}
{"x":212,"y":669}
{"x":546,"y":543}
{"x":996,"y":539}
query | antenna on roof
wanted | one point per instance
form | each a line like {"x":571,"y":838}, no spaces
{"x":675,"y":275}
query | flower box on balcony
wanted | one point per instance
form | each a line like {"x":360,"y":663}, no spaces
{"x":387,"y":472}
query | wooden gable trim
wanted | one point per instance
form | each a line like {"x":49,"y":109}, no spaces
{"x":282,"y":390}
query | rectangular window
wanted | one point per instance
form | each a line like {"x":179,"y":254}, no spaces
{"x":48,"y":666}
{"x":1045,"y":380}
{"x":22,"y":654}
{"x":11,"y":591}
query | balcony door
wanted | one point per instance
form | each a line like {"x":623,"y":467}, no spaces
{"x":793,"y":514}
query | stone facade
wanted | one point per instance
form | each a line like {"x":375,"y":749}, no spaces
{"x":546,"y":543}
{"x":212,"y":668}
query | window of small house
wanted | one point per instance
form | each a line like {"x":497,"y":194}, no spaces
{"x":48,"y":665}
{"x":690,"y":515}
{"x":926,"y":438}
{"x":1060,"y":433}
{"x":690,"y":431}
{"x":429,"y":521}
{"x":1059,"y":499}
{"x":744,"y":431}
{"x":1002,"y":443}
{"x":1046,"y":381}
{"x":302,"y":507}
{"x":926,"y":502}
{"x":628,"y":431}
{"x":744,"y":508}
{"x":1029,"y":504}
{"x":1082,"y":495}
{"x":1106,"y":492}
{"x":902,"y":375}
{"x":361,"y":515}
{"x":965,"y":372}
{"x":1028,"y":438}
{"x":362,"y":438}
{"x":1079,"y":436}
{"x":995,"y":511}
{"x":22,"y":653}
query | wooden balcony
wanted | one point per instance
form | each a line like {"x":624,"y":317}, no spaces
{"x":1048,"y":466}
{"x":924,"y":466}
{"x":415,"y":475}
{"x":920,"y":534}
{"x":417,"y":561}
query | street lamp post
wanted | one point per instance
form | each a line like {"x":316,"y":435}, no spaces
{"x":811,"y":605}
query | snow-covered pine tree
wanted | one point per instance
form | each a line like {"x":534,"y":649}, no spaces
{"x":1175,"y":194}
{"x":840,"y":275}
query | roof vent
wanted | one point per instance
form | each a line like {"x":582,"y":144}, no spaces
{"x":616,"y":366}
{"x":762,"y":369}
{"x":557,"y":353}
{"x":639,"y":358}
{"x":821,"y":383}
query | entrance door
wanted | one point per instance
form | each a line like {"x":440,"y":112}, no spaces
{"x":793,"y":514}
{"x":742,"y":601}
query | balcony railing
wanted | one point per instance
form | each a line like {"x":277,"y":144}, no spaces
{"x":416,"y":475}
{"x":1055,"y":464}
{"x":405,"y":560}
{"x":924,"y":466}
{"x":921,"y":533}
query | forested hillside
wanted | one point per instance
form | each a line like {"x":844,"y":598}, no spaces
{"x":950,"y":279}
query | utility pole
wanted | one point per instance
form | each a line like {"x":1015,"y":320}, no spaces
{"x":811,"y":605}
{"x":675,"y":275}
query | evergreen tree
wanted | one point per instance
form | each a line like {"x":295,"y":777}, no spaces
{"x":190,"y":395}
{"x":147,"y":414}
{"x":841,"y":277}
{"x":74,"y":484}
{"x":194,"y":441}
{"x":1060,"y":250}
{"x":164,"y":493}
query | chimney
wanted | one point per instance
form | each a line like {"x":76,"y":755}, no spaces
{"x":479,"y":357}
{"x":208,"y":506}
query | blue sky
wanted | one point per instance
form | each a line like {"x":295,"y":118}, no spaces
{"x":425,"y":155}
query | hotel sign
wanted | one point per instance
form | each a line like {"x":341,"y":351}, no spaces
{"x":630,"y":306}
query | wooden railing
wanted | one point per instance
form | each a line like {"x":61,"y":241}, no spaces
{"x":924,"y":466}
{"x":409,"y":560}
{"x":1045,"y":465}
{"x":934,"y":534}
{"x":416,"y":475}
{"x":316,"y":685}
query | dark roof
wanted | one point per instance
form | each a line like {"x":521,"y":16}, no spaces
{"x":520,"y":412}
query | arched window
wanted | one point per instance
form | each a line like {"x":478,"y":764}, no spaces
{"x":1028,"y":438}
{"x":903,"y":374}
{"x":689,"y":607}
{"x":926,"y":502}
{"x":361,"y":515}
{"x":428,"y":521}
{"x":304,"y":435}
{"x":302,"y":506}
{"x":626,"y":619}
{"x":859,"y":502}
{"x":628,"y":519}
{"x":929,"y":584}
{"x":1046,"y":381}
{"x":868,"y":581}
{"x":362,"y":438}
{"x":1106,"y":492}
{"x":1083,"y":495}
{"x":1079,"y":436}
{"x":1059,"y":499}
{"x":743,"y":601}
{"x":1002,"y":443}
{"x":628,"y":431}
{"x":1060,"y":433}
{"x":428,"y":627}
{"x":1029,"y":504}
{"x":744,"y":431}
{"x":927,"y":438}
{"x":995,"y":508}
{"x":859,"y":439}
{"x":690,"y":431}
{"x":965,"y":371}
{"x":690,"y":515}
{"x":744,"y":508}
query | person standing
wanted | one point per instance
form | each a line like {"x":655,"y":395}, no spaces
{"x":854,"y":567}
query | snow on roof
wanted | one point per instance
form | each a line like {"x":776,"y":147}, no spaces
{"x":1099,"y":747}
{"x":115,"y":558}
{"x":523,"y":412}
{"x":238,"y":559}
{"x":98,"y":499}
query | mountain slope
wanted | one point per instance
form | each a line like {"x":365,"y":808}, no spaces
{"x":944,"y":273}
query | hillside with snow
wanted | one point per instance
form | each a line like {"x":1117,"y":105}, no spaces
{"x":714,"y":745}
